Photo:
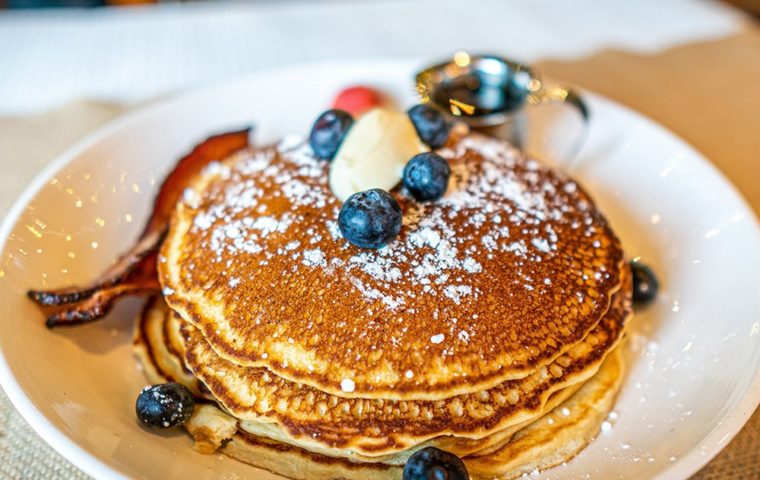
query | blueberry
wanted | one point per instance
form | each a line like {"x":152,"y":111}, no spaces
{"x":328,"y":133}
{"x":370,"y":219}
{"x":163,"y":406}
{"x":426,"y":176}
{"x":431,"y":124}
{"x":431,"y":463}
{"x":645,"y":284}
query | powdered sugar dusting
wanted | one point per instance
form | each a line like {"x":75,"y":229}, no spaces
{"x":314,"y":258}
{"x":229,"y":234}
{"x":456,"y":292}
{"x":501,"y":209}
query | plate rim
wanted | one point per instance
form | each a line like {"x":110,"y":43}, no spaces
{"x":685,"y":466}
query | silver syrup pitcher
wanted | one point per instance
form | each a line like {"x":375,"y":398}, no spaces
{"x":490,"y":93}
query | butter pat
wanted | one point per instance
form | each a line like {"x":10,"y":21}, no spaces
{"x":374,"y":153}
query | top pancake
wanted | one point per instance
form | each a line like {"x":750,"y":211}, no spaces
{"x":505,"y":273}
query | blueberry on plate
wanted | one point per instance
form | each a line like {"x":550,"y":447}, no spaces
{"x":426,"y":176}
{"x":370,"y":219}
{"x":645,"y":284}
{"x":431,"y":463}
{"x":328,"y":133}
{"x":164,"y":406}
{"x":431,"y":124}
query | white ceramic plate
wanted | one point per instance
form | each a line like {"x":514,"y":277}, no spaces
{"x":695,"y":355}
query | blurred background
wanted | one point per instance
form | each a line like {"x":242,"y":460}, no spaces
{"x":56,"y":51}
{"x":752,"y":6}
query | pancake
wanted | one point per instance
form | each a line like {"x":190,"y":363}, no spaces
{"x":379,"y":427}
{"x":506,"y":273}
{"x":157,"y":345}
{"x":155,"y":331}
{"x":552,"y":439}
{"x":459,"y":446}
{"x":273,"y":407}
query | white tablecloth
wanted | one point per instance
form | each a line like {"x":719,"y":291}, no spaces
{"x":126,"y":55}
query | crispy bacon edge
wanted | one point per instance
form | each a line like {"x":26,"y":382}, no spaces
{"x":135,"y":272}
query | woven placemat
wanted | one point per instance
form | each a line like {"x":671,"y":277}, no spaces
{"x":725,"y":130}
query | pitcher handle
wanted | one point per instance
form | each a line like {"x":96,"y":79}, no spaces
{"x":551,"y":94}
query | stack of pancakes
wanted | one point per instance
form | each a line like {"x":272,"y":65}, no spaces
{"x":488,"y":328}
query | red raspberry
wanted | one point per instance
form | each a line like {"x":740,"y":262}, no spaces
{"x":357,"y":100}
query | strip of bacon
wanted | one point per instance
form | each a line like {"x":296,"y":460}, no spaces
{"x":135,"y":272}
{"x":142,"y":280}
